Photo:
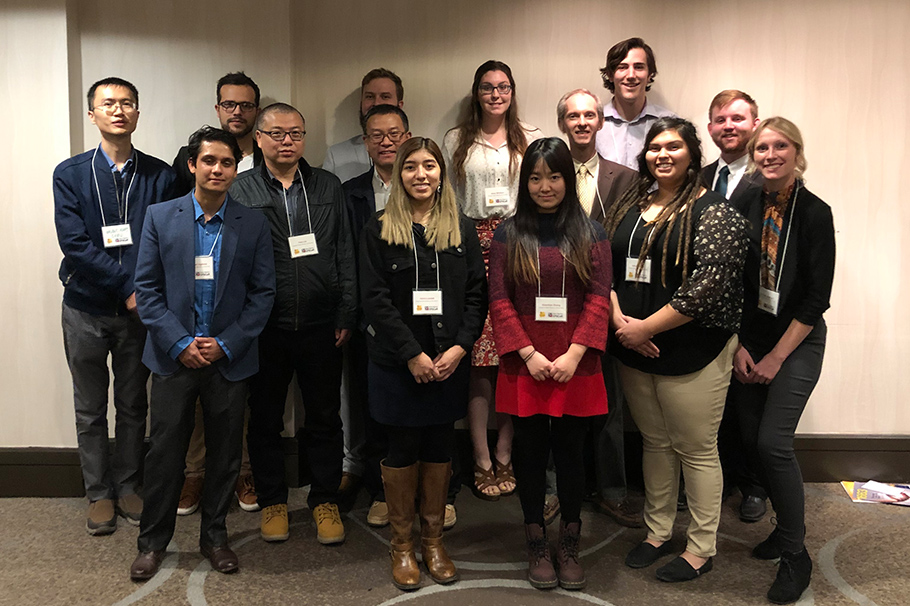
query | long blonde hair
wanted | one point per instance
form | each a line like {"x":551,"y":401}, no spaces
{"x":443,"y":227}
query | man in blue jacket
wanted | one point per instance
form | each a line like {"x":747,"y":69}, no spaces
{"x":100,"y":199}
{"x":205,"y":284}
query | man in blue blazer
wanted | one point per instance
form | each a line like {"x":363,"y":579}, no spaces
{"x":205,"y":283}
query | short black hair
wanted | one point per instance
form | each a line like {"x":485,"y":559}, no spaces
{"x":213,"y":135}
{"x":111,"y":81}
{"x":237,"y":79}
{"x":386,"y":110}
{"x":277,"y":108}
{"x":618,"y":52}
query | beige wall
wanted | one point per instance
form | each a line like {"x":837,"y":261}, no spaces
{"x":839,"y":69}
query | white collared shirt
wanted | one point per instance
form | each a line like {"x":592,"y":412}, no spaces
{"x":380,"y":191}
{"x":737,"y":170}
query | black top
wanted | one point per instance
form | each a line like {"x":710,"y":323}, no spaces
{"x":712,"y":297}
{"x":387,"y":278}
{"x":807,"y":270}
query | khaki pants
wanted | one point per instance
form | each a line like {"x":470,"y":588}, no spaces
{"x":678,"y":418}
{"x":195,"y":454}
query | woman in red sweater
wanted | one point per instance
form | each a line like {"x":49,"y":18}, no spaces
{"x":550,"y":274}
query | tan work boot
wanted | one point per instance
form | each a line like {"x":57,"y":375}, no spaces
{"x":329,"y":528}
{"x":378,"y":516}
{"x":101,"y":519}
{"x":400,"y":493}
{"x":434,"y":483}
{"x":274,"y":523}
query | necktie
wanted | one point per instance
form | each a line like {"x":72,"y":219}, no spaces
{"x":721,"y":185}
{"x":585,"y":188}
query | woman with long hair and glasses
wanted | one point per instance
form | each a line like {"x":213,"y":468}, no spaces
{"x":550,"y":273}
{"x":677,"y":303}
{"x":424,"y":297}
{"x":484,"y":153}
{"x":789,"y":272}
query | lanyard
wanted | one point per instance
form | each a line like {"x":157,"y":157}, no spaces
{"x":634,"y":229}
{"x":783,"y":255}
{"x":416,"y":275}
{"x":540,"y":276}
{"x":306,"y":201}
{"x":126,"y":208}
{"x":215,"y":243}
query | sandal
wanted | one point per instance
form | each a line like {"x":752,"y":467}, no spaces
{"x":485,"y":479}
{"x":505,"y":473}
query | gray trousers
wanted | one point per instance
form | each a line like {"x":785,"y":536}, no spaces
{"x":88,"y":340}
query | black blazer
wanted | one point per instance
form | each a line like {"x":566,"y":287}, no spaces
{"x":387,"y":281}
{"x":360,"y":203}
{"x":807,"y":273}
{"x":748,"y":181}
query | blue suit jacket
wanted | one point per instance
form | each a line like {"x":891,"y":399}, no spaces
{"x":165,"y":284}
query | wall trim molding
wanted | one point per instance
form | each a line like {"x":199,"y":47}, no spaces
{"x":55,"y":472}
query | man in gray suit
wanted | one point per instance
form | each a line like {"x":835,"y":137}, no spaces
{"x":733,"y":116}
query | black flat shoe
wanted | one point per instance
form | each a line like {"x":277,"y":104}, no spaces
{"x":644,"y":554}
{"x":679,"y":570}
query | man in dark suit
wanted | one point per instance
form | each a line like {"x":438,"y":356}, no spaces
{"x":733,"y":116}
{"x":600,"y":184}
{"x":203,"y":326}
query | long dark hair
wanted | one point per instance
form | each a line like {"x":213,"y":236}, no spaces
{"x":573,"y":228}
{"x":469,"y":126}
{"x":677,"y":211}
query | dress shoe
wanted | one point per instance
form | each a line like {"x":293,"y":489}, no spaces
{"x":679,"y":570}
{"x":101,"y":519}
{"x":222,"y":558}
{"x":644,"y":554}
{"x":621,"y":510}
{"x":146,"y":565}
{"x":752,"y":509}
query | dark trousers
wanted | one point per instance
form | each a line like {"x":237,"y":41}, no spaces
{"x":376,"y":443}
{"x":769,"y":415}
{"x":430,"y":444}
{"x":609,"y":445}
{"x":738,"y":465}
{"x":173,"y":408}
{"x":535,"y":437}
{"x":312,"y":354}
{"x":87,"y":341}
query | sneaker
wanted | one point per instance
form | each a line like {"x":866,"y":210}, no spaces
{"x":102,"y":519}
{"x":246,"y":493}
{"x":130,"y":508}
{"x":550,"y":508}
{"x":378,"y":516}
{"x":451,"y":517}
{"x":329,"y":529}
{"x":190,"y":495}
{"x":274,"y":523}
{"x":621,"y":511}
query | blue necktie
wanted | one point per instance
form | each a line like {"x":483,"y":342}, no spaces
{"x":721,"y":185}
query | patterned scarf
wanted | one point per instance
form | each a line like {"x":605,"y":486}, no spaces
{"x":775,"y":204}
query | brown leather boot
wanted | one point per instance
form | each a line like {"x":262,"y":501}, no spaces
{"x":400,"y":494}
{"x":568,"y":568}
{"x":541,"y":574}
{"x":434,"y":484}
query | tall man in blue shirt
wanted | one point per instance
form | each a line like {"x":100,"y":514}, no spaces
{"x":205,"y":284}
{"x":100,"y":199}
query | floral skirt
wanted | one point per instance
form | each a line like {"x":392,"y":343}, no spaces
{"x":484,"y":353}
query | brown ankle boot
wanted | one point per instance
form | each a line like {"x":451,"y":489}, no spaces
{"x":541,"y":574}
{"x":434,"y":484}
{"x":571,"y":574}
{"x":400,"y":493}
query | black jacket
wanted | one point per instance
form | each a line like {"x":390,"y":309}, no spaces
{"x":186,"y":181}
{"x":315,"y":290}
{"x":388,"y":278}
{"x":360,"y":202}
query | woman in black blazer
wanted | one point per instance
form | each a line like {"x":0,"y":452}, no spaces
{"x":788,"y":279}
{"x":424,"y":297}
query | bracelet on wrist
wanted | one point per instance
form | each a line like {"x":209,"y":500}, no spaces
{"x":529,"y":356}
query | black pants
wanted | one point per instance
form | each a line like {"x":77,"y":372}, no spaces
{"x":312,"y":354}
{"x":737,"y":464}
{"x":173,"y":410}
{"x":535,"y":438}
{"x":769,"y":415}
{"x":407,"y":445}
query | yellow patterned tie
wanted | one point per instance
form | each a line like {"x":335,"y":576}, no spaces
{"x":586,"y":188}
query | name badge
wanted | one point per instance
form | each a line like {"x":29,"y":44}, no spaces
{"x":632,"y":276}
{"x":551,"y":309}
{"x":205,"y":268}
{"x":768,"y":300}
{"x":427,"y":303}
{"x":303,"y":246}
{"x":117,"y":235}
{"x":496,"y":197}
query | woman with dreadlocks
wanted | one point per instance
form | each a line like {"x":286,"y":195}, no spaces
{"x":679,"y":251}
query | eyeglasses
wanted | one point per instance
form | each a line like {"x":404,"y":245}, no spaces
{"x":487,"y":89}
{"x":279,"y":135}
{"x":394,"y":136}
{"x":110,"y":106}
{"x":230,"y":106}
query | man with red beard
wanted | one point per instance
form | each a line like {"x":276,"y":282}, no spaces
{"x":628,"y":74}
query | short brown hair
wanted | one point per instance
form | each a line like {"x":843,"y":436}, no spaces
{"x":615,"y":56}
{"x":381,"y":72}
{"x":726,"y":97}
